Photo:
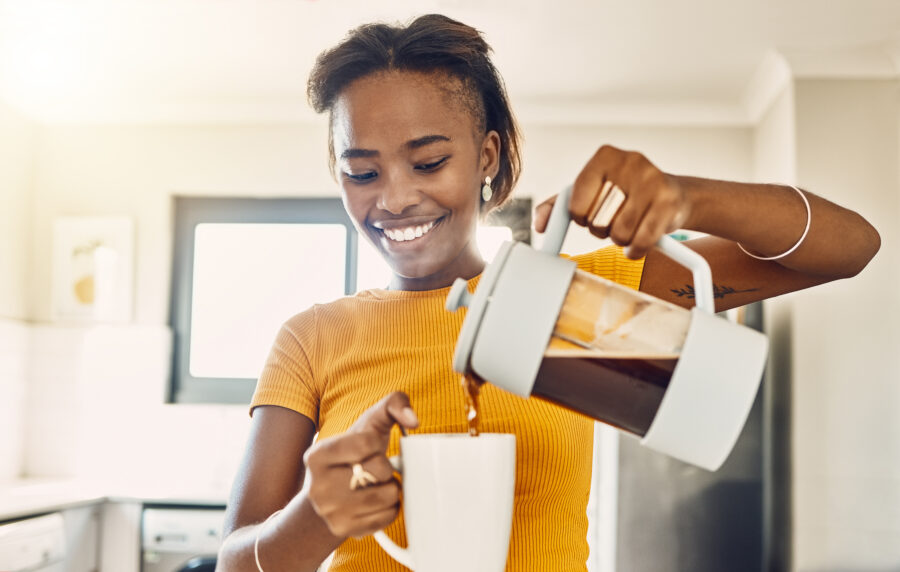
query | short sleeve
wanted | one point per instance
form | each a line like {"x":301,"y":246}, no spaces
{"x":611,"y":263}
{"x":288,"y":377}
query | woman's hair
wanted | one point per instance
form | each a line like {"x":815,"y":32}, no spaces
{"x":429,"y":44}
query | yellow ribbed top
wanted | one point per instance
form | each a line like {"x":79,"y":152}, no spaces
{"x":333,"y":361}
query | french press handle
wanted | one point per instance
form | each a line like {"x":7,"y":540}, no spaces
{"x":558,"y":225}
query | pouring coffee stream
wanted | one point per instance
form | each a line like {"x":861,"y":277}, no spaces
{"x":681,"y":380}
{"x":472,"y":388}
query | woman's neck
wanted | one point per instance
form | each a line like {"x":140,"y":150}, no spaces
{"x":442,"y":279}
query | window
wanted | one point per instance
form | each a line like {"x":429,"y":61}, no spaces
{"x":241,"y":267}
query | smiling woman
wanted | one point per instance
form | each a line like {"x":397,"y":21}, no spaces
{"x":424,"y":144}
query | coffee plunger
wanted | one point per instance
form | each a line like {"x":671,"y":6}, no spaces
{"x":682,"y":381}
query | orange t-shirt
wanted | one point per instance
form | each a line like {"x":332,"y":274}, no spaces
{"x":334,"y":361}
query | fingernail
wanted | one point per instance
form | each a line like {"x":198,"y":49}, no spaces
{"x":409,"y":416}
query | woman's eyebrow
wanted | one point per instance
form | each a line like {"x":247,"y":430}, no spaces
{"x":426,"y":140}
{"x":417,"y":143}
{"x":358,"y":153}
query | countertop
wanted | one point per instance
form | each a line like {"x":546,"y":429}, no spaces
{"x":26,"y":497}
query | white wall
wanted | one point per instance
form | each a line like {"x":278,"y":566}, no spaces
{"x":846,"y":367}
{"x":16,"y":169}
{"x":14,"y":337}
{"x":775,"y":142}
{"x":775,"y":161}
{"x":135,"y":171}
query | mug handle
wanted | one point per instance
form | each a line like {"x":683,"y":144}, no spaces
{"x":558,"y":225}
{"x":401,"y":555}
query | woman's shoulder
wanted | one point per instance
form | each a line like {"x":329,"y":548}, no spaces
{"x":315,"y":312}
{"x":341,"y":312}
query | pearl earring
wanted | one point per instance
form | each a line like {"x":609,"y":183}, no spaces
{"x":486,"y":191}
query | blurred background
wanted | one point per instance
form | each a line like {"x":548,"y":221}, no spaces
{"x":159,"y":166}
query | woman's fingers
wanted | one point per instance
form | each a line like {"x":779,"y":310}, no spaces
{"x":623,"y":196}
{"x":376,"y":498}
{"x":594,"y":183}
{"x":379,"y":467}
{"x":666,"y":213}
{"x":345,"y":449}
{"x":651,"y":227}
{"x":542,"y":214}
{"x":375,"y":521}
{"x":345,"y":494}
{"x":353,"y":514}
{"x":628,"y":219}
{"x":382,"y":416}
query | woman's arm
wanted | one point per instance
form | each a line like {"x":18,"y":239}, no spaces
{"x":766,"y":220}
{"x":270,"y":479}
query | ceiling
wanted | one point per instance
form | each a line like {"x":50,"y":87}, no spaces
{"x":690,"y":61}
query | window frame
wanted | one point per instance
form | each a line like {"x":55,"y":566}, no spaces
{"x":189,"y":211}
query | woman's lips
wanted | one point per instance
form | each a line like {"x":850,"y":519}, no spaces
{"x":403,"y":234}
{"x":407,"y":232}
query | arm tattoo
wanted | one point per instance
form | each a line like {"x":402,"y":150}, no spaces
{"x":718,"y":291}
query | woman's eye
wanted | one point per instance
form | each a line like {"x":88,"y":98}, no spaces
{"x":431,"y":166}
{"x":361,"y":177}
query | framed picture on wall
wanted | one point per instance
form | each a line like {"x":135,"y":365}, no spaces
{"x":92,"y":273}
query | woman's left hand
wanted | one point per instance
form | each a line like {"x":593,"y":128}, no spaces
{"x":654,"y":202}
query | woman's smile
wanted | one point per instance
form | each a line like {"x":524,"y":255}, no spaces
{"x":405,"y":231}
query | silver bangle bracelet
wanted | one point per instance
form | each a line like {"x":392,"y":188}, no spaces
{"x":799,"y":242}
{"x":259,"y":532}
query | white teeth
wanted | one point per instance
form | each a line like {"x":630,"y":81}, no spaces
{"x":409,"y":233}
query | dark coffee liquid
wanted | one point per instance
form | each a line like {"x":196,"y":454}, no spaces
{"x":472,"y":387}
{"x":625,"y":393}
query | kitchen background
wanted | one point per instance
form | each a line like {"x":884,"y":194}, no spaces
{"x":114,"y":108}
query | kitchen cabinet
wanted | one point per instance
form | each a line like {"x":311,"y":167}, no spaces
{"x":82,"y":530}
{"x":101,"y":531}
{"x":121,"y":533}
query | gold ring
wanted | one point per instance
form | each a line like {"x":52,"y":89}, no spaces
{"x":610,"y":203}
{"x":361,"y":478}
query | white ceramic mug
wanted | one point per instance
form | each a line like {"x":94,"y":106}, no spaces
{"x":457,"y":502}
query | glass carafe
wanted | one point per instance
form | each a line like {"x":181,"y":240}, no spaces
{"x":612,"y":353}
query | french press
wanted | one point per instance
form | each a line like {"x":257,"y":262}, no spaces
{"x":682,"y":381}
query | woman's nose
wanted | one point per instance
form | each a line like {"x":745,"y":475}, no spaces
{"x":397,"y":194}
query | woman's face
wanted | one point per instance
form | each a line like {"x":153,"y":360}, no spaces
{"x":411,"y":162}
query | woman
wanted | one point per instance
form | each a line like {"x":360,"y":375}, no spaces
{"x":424,"y":143}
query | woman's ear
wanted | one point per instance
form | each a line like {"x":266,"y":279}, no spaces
{"x":490,"y":155}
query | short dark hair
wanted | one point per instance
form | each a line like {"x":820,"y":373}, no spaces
{"x":429,"y":44}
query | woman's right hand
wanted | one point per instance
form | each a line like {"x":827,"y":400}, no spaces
{"x":329,"y":463}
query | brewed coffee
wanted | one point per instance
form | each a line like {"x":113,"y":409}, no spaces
{"x":623,"y":392}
